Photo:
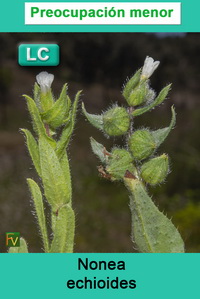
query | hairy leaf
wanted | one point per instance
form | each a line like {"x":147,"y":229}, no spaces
{"x":159,"y":99}
{"x":33,"y":150}
{"x":36,"y":93}
{"x":67,"y":131}
{"x":55,"y":187}
{"x":161,"y":134}
{"x":131,"y":84}
{"x":37,"y":121}
{"x":63,"y":240}
{"x":64,"y":162}
{"x":152,"y":231}
{"x":39,"y":207}
{"x":95,"y":120}
{"x":99,"y":150}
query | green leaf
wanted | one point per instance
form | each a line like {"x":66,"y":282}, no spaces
{"x":95,"y":120}
{"x":99,"y":150}
{"x":36,"y":93}
{"x":23,"y":248}
{"x":63,"y":240}
{"x":159,"y":99}
{"x":53,"y":221}
{"x":152,"y":231}
{"x":37,"y":121}
{"x":55,"y":187}
{"x":39,"y":207}
{"x":33,"y":150}
{"x":64,"y":163}
{"x":56,"y":115}
{"x":68,"y":129}
{"x":161,"y":134}
{"x":131,"y":84}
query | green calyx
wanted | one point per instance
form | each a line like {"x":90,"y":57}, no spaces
{"x":58,"y":114}
{"x":119,"y":162}
{"x":53,"y":112}
{"x":131,"y":84}
{"x":138,"y":96}
{"x":116,"y":121}
{"x":155,"y":170}
{"x":142,"y":144}
{"x":137,"y":91}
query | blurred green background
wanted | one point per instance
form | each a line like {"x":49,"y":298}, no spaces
{"x":99,"y":63}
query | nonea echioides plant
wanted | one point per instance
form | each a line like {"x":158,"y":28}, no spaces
{"x":138,"y":164}
{"x":53,"y":123}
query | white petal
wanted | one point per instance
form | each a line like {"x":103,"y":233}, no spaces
{"x":149,"y":67}
{"x":45,"y":80}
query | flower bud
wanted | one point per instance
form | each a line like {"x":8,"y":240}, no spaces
{"x":131,"y":84}
{"x":44,"y":99}
{"x":155,"y":170}
{"x":138,"y":95}
{"x":116,"y":121}
{"x":119,"y":162}
{"x":45,"y":80}
{"x":142,"y":144}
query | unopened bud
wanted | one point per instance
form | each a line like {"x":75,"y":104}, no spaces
{"x":155,"y":171}
{"x":142,"y":144}
{"x":45,"y":80}
{"x":44,"y":100}
{"x":119,"y":162}
{"x":138,"y":96}
{"x":116,"y":121}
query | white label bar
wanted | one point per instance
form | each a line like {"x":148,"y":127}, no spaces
{"x":102,"y":13}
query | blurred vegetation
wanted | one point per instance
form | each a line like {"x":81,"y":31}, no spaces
{"x":99,"y":63}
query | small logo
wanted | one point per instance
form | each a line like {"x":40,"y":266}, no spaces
{"x":38,"y":55}
{"x":13,"y":239}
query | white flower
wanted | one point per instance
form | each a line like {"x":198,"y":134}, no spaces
{"x":45,"y":80}
{"x":149,"y":67}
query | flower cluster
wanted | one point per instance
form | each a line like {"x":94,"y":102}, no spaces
{"x":138,"y":156}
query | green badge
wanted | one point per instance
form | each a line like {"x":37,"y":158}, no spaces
{"x":13,"y":239}
{"x":38,"y":55}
